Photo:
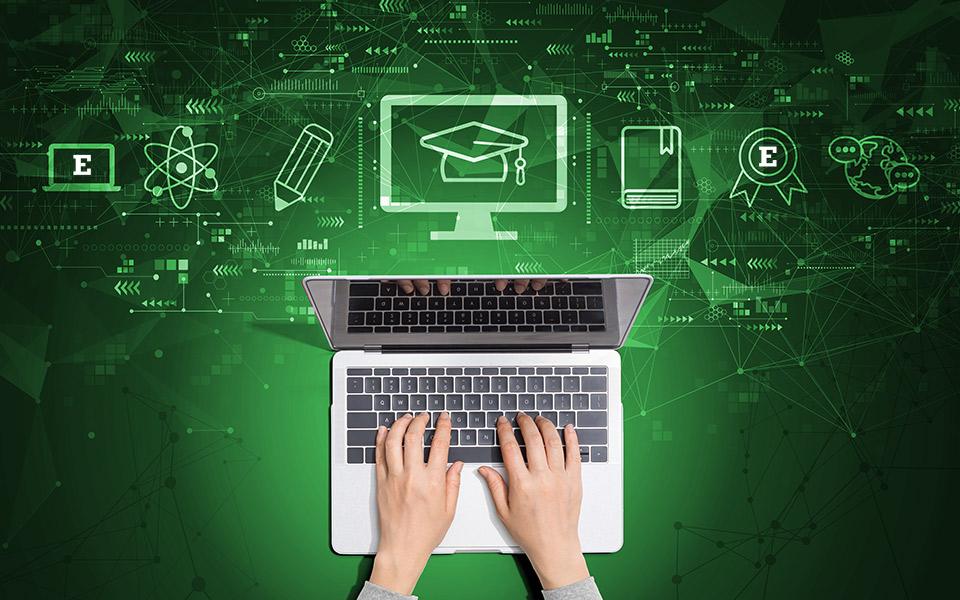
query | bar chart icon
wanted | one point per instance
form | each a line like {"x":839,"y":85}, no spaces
{"x":301,"y":166}
{"x":603,"y":38}
{"x":306,"y":244}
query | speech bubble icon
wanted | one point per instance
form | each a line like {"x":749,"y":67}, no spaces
{"x":904,"y":176}
{"x":844,"y":149}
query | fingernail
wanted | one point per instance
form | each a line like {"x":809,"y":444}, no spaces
{"x":444,"y":415}
{"x":568,"y":426}
{"x":521,"y":414}
{"x":501,"y":419}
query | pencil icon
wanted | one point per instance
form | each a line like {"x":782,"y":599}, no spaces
{"x":301,"y":166}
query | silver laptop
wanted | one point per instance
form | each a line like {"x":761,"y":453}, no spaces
{"x":476,"y":353}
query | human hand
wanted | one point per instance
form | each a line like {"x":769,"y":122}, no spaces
{"x":422,"y":286}
{"x":541,"y":506}
{"x":416,"y":500}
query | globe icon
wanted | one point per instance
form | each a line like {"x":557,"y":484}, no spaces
{"x":876,"y":167}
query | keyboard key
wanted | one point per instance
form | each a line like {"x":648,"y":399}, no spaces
{"x":401,"y":402}
{"x":534,"y":384}
{"x":468,"y":437}
{"x":408,"y":385}
{"x":428,"y":385}
{"x":445,"y":385}
{"x":568,"y":317}
{"x":361,"y":437}
{"x":369,"y":455}
{"x":481,"y":384}
{"x":360,"y":402}
{"x":589,"y":317}
{"x":454,"y":402}
{"x":518,"y":384}
{"x":593,"y":383}
{"x":552,"y":384}
{"x":492,"y":417}
{"x":581,"y":401}
{"x":598,"y":401}
{"x":486,"y":437}
{"x":364,"y":289}
{"x":458,"y":420}
{"x":359,"y":371}
{"x":354,"y":456}
{"x":354,"y":385}
{"x":471,"y":402}
{"x":562,"y":401}
{"x":477,"y":420}
{"x":471,"y":454}
{"x":571,"y":384}
{"x":498,"y":384}
{"x":592,"y":419}
{"x":590,"y":437}
{"x":587,"y":288}
{"x":381,"y":402}
{"x":598,"y":370}
{"x":374,"y":318}
{"x":355,"y":318}
{"x":598,"y":454}
{"x":371,"y":385}
{"x":594,"y":302}
{"x":578,"y":302}
{"x":544,"y":401}
{"x":565,"y":417}
{"x":490,"y":402}
{"x":435,"y":402}
{"x":418,"y":403}
{"x":391,"y":385}
{"x":361,"y":304}
{"x":508,"y":401}
{"x":584,"y":454}
{"x":386,"y":419}
{"x":550,"y":416}
{"x":362,"y":420}
{"x":526,"y":402}
{"x":463,"y":384}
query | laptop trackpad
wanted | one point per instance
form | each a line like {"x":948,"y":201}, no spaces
{"x":476,"y":526}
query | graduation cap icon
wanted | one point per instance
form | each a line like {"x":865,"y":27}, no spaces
{"x":475,"y":152}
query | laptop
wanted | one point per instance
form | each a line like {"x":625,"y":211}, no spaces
{"x":81,"y":168}
{"x":476,"y":353}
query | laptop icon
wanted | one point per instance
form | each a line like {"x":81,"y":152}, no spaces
{"x":477,"y":353}
{"x":81,"y":168}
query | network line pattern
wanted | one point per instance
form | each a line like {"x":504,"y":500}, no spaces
{"x":789,"y":388}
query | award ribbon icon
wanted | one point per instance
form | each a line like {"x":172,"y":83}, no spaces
{"x":768,"y":158}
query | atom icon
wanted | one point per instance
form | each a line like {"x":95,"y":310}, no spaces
{"x":176,"y":164}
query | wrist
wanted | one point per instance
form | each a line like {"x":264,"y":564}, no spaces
{"x":397,"y":571}
{"x":560,"y":569}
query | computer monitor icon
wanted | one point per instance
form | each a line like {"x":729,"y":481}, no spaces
{"x":81,"y":168}
{"x":474,"y":155}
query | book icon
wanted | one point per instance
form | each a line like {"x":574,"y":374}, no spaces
{"x":650,"y":166}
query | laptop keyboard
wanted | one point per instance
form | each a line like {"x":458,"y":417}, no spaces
{"x":475,"y":397}
{"x":475,"y":307}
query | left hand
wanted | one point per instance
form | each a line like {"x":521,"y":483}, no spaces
{"x":416,"y":500}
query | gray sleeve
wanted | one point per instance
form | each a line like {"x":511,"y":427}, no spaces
{"x":372,"y":591}
{"x":585,"y":589}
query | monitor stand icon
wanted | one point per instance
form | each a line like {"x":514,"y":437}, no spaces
{"x":474,"y":155}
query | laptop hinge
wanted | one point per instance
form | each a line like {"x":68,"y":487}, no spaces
{"x":579,"y":348}
{"x":372,"y":348}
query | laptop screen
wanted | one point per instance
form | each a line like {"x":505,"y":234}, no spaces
{"x":595,"y":311}
{"x":79,"y":164}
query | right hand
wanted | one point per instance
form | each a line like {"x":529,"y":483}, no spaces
{"x":541,"y":506}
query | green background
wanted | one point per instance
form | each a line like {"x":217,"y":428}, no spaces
{"x":789,"y":388}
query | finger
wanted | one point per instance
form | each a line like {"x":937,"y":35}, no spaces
{"x":453,"y":486}
{"x":538,"y":284}
{"x":573,"y":449}
{"x":394,"y":444}
{"x":441,"y":443}
{"x":501,"y":284}
{"x":406,"y":286}
{"x":379,"y":454}
{"x":551,"y":442}
{"x":498,"y":490}
{"x":422,"y":285}
{"x":509,"y":448}
{"x":413,"y":441}
{"x":520,"y":285}
{"x":536,"y":456}
{"x":443,"y":286}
